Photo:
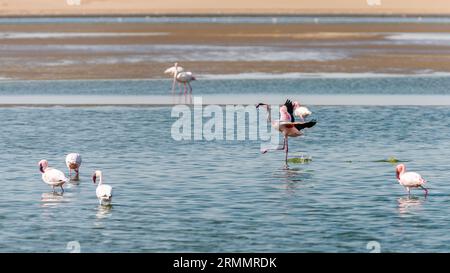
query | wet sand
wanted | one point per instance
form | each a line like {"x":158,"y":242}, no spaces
{"x":364,"y":46}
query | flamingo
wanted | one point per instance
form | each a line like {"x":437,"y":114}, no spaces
{"x":301,"y":111}
{"x":185,"y":78}
{"x":286,"y":125}
{"x":173,"y":71}
{"x":73,"y":162}
{"x":103,"y":191}
{"x":410,"y":179}
{"x":51,"y":176}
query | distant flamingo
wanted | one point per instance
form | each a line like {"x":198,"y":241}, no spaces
{"x":410,"y":179}
{"x":52,"y":177}
{"x":286,"y":125}
{"x":185,"y":78}
{"x":73,"y":162}
{"x":103,"y":191}
{"x":301,"y":111}
{"x":173,"y":71}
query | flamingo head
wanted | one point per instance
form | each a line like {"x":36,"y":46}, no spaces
{"x":175,"y":64}
{"x":43,"y":164}
{"x":96,"y":174}
{"x":296,"y":104}
{"x":193,"y":78}
{"x":400,"y":169}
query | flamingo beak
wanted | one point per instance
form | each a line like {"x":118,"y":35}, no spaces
{"x":94,"y":178}
{"x":259,"y":104}
{"x":41,"y":169}
{"x":398,"y":174}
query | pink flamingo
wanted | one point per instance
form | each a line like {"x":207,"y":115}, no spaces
{"x":52,"y":177}
{"x":410,"y":179}
{"x":301,"y":111}
{"x":73,"y":162}
{"x":185,"y":78}
{"x":286,"y":125}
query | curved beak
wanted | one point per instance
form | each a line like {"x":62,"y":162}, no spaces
{"x":259,"y":104}
{"x":41,"y":169}
{"x":397,"y":173}
{"x":94,"y":178}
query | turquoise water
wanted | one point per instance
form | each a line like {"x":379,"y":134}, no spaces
{"x":347,"y":85}
{"x":223,"y":195}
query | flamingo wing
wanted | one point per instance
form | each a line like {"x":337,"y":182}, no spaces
{"x":54,"y":177}
{"x":104,"y":192}
{"x":172,"y":70}
{"x":302,"y":112}
{"x":73,"y":158}
{"x":290,"y":108}
{"x":303,"y":125}
{"x":411,"y":179}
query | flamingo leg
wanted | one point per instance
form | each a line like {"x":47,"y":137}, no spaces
{"x":62,"y":189}
{"x":409,"y":191}
{"x":53,"y":188}
{"x":181,"y":89}
{"x":185,"y":89}
{"x":190,"y":87}
{"x":173,"y":83}
{"x":287,"y":151}
{"x":425,"y":189}
{"x":70,"y":172}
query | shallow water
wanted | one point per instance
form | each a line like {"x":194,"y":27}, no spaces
{"x":250,"y":83}
{"x":224,"y":195}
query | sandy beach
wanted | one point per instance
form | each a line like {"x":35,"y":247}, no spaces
{"x":135,"y":7}
{"x":139,"y":51}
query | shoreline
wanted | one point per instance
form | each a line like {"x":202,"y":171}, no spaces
{"x":207,"y":15}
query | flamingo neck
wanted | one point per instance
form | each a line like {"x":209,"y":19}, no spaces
{"x":269,"y":114}
{"x":100,"y":179}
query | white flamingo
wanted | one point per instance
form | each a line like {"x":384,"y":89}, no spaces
{"x":73,"y":162}
{"x":51,"y":176}
{"x":301,"y":111}
{"x":185,"y":78}
{"x":173,"y":71}
{"x":103,"y":191}
{"x":410,"y":179}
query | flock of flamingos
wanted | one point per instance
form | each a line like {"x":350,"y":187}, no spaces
{"x":286,"y":125}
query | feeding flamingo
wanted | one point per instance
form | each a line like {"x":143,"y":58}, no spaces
{"x":173,"y":71}
{"x":185,"y":78}
{"x":103,"y":191}
{"x":301,"y":111}
{"x":410,"y":179}
{"x":73,"y":162}
{"x":51,"y":176}
{"x":286,"y":125}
